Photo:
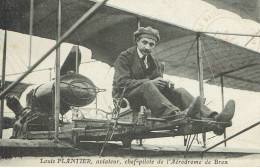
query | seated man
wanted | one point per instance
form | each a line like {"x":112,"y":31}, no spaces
{"x":138,"y":78}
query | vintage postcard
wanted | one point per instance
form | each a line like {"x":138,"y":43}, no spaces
{"x":130,"y":83}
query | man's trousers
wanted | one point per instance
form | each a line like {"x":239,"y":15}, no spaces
{"x":164,"y":102}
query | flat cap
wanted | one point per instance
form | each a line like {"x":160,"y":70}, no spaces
{"x":147,"y":32}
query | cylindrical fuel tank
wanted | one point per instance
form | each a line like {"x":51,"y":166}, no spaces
{"x":75,"y":90}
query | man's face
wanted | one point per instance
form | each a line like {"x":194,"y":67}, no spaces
{"x":145,"y":45}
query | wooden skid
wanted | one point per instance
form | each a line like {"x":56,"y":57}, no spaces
{"x":97,"y":130}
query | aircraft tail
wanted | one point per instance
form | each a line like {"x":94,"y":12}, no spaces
{"x":70,"y":62}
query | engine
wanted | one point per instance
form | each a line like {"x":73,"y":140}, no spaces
{"x":75,"y":90}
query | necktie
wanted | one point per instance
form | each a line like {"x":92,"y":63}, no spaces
{"x":144,"y":58}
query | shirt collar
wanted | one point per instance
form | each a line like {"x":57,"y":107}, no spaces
{"x":139,"y":53}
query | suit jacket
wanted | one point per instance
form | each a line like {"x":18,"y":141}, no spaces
{"x":129,"y":73}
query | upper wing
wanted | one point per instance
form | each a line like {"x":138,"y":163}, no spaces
{"x":110,"y":30}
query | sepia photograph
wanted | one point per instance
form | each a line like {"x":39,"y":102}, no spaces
{"x":129,"y":83}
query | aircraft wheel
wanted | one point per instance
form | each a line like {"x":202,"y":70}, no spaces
{"x":127,"y":143}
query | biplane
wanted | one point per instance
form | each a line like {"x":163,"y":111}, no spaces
{"x":106,"y":31}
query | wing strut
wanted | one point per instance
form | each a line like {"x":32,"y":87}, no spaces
{"x":3,"y":86}
{"x":200,"y":77}
{"x":3,"y":72}
{"x":223,"y":104}
{"x":222,"y":86}
{"x":31,"y":31}
{"x":57,"y":76}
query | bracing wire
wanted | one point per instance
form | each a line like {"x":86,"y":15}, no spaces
{"x":105,"y":100}
{"x":102,"y":93}
{"x":115,"y":115}
{"x":251,"y":39}
{"x":21,"y":60}
{"x":239,"y":70}
{"x":185,"y":58}
{"x":175,"y":53}
{"x":218,"y":47}
{"x":66,"y":10}
{"x":12,"y":66}
{"x":171,"y":47}
{"x":13,"y":74}
{"x":211,"y":70}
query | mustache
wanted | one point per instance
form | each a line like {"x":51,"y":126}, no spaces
{"x":146,"y":51}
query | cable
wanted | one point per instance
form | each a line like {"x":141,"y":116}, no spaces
{"x":97,"y":109}
{"x":21,"y":60}
{"x":178,"y":52}
{"x":209,"y":64}
{"x":66,"y":10}
{"x":115,"y":115}
{"x":12,"y":67}
{"x":170,"y":47}
{"x":105,"y":100}
{"x":234,"y":65}
{"x":251,"y":39}
{"x":31,"y":72}
{"x":186,"y":56}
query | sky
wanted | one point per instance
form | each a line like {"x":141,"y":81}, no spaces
{"x":194,"y":14}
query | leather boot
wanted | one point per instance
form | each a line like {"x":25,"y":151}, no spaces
{"x":227,"y":113}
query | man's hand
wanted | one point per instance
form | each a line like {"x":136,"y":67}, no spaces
{"x":170,"y":84}
{"x":159,"y":82}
